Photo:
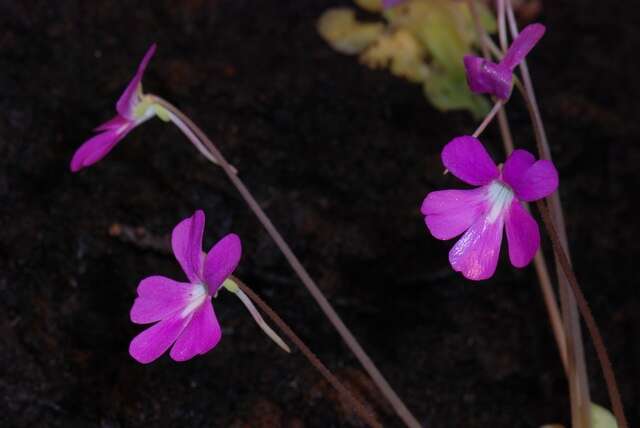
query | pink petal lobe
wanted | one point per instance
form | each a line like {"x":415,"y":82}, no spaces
{"x":128,"y":99}
{"x":200,"y":336}
{"x":186,"y":241}
{"x":475,"y":255}
{"x":97,"y":147}
{"x":530,"y":179}
{"x":113,"y":123}
{"x":158,"y":298}
{"x":485,"y":77}
{"x":468,"y":160}
{"x":523,"y":235}
{"x":154,"y":341}
{"x":451,"y":212}
{"x":221,"y":261}
{"x":522,"y":45}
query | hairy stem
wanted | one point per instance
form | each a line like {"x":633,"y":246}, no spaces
{"x":358,"y":406}
{"x":387,"y":391}
{"x":601,"y":350}
{"x":578,"y":378}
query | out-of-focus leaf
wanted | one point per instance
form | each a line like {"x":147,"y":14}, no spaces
{"x":370,"y":5}
{"x":449,"y":91}
{"x":340,"y":29}
{"x":439,"y":32}
{"x":401,"y":53}
{"x":602,"y":418}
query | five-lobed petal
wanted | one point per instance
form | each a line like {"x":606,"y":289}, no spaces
{"x":482,"y":213}
{"x":183,"y":312}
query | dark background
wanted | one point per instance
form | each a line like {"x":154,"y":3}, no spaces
{"x":340,"y":157}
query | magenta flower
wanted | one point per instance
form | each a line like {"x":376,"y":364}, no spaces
{"x":486,"y":77}
{"x":481,"y":213}
{"x":133,"y":109}
{"x":183,"y":310}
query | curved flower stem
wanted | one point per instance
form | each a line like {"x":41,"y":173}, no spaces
{"x":358,"y":406}
{"x":578,"y":377}
{"x":387,"y":391}
{"x":542,"y":270}
{"x":598,"y":343}
{"x":497,"y":107}
{"x":232,"y":287}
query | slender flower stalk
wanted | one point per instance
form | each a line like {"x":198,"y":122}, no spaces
{"x":601,"y":350}
{"x":540,"y":264}
{"x":357,"y":404}
{"x":578,"y":377}
{"x":400,"y":408}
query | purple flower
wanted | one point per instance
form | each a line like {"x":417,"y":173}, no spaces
{"x":183,"y":310}
{"x":486,"y":77}
{"x":133,"y":109}
{"x":481,"y":213}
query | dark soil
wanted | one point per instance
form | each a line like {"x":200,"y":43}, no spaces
{"x":340,"y":156}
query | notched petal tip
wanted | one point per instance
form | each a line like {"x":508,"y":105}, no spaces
{"x":467,"y":159}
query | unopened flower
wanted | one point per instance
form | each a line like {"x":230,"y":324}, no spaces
{"x":183,"y":310}
{"x":481,"y":213}
{"x":133,"y":108}
{"x":486,"y":77}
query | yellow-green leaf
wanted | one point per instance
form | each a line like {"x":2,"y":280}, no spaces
{"x":338,"y":26}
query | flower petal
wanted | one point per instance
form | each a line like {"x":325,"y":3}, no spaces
{"x":522,"y":45}
{"x":186,"y":241}
{"x":154,"y":341}
{"x":97,"y":147}
{"x":451,"y":212}
{"x":200,"y":336}
{"x":475,"y":255}
{"x":485,"y":77}
{"x":158,"y":298}
{"x":127,"y":102}
{"x":468,"y":160}
{"x":530,"y":180}
{"x":523,"y":235}
{"x":221,"y":261}
{"x":113,"y":123}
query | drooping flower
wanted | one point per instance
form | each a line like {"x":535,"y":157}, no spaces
{"x":183,"y":311}
{"x":483,"y":212}
{"x":486,"y":77}
{"x":133,"y":108}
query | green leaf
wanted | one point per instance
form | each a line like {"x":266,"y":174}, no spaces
{"x":339,"y":27}
{"x":449,"y":91}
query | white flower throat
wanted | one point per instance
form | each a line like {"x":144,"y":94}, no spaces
{"x":499,"y":196}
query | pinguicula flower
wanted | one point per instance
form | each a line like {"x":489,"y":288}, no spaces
{"x":183,"y":311}
{"x":483,"y":212}
{"x":486,"y":77}
{"x":133,"y":108}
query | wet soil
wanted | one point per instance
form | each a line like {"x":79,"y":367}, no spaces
{"x":340,"y":156}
